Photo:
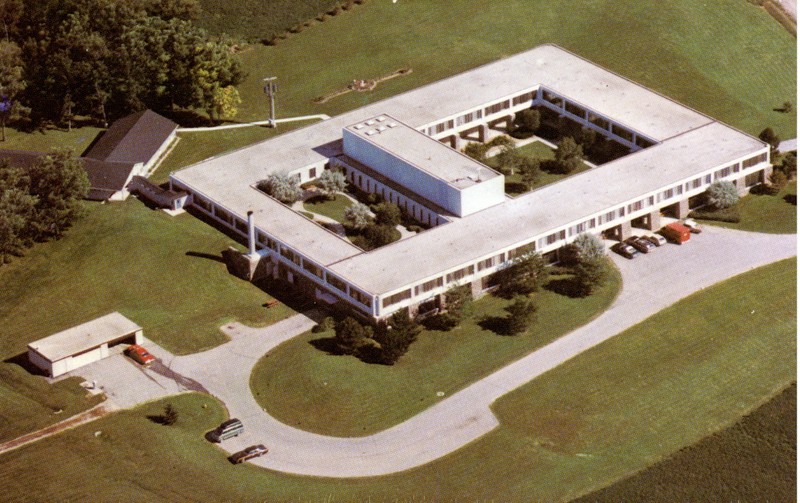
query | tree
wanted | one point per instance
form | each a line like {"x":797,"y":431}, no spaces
{"x":16,"y":212}
{"x":476,"y":150}
{"x":281,"y":187}
{"x":589,"y":275}
{"x":769,"y":136}
{"x":509,"y":160}
{"x":11,"y":82}
{"x":778,"y":180}
{"x":378,"y":235}
{"x":170,"y":416}
{"x":530,"y":172}
{"x":358,"y":215}
{"x":722,"y":194}
{"x":331,"y":181}
{"x":789,"y":165}
{"x":585,"y":247}
{"x":521,"y":314}
{"x":457,"y":305}
{"x":352,"y":336}
{"x":395,"y":339}
{"x":59,"y":182}
{"x":224,"y":103}
{"x":569,"y":156}
{"x":527,"y":120}
{"x":188,"y":10}
{"x":387,"y":214}
{"x":524,"y":275}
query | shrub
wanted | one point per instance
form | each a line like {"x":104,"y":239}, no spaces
{"x":357,"y":215}
{"x":521,"y":314}
{"x":351,"y":336}
{"x":789,"y":165}
{"x":722,"y":194}
{"x":326,"y":324}
{"x":281,"y":187}
{"x":331,"y":181}
{"x":525,"y":275}
{"x":589,"y":276}
{"x":476,"y":150}
{"x":387,"y":214}
{"x":380,"y":235}
{"x":585,"y":247}
{"x":414,"y":228}
{"x":395,"y":339}
{"x":723,"y":215}
{"x":778,"y":180}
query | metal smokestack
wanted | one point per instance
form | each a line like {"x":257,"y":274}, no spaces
{"x":251,"y":233}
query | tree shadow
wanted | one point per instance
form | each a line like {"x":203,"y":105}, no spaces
{"x":208,"y":256}
{"x":515,"y":188}
{"x":791,"y":199}
{"x":496,"y":324}
{"x":158,"y":419}
{"x":327,"y":345}
{"x":568,"y":287}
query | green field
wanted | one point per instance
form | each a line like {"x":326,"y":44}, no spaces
{"x":753,"y":460}
{"x":764,"y":213}
{"x":163,"y":272}
{"x":333,"y":208}
{"x":296,"y":380}
{"x":663,"y":386}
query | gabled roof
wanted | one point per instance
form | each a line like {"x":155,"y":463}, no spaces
{"x":132,"y":139}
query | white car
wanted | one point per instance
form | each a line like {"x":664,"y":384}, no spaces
{"x":656,"y":239}
{"x":692,"y":225}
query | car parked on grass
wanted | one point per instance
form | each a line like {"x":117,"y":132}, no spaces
{"x":640,"y":243}
{"x":693,"y":226}
{"x":625,"y":250}
{"x":656,"y":239}
{"x":228,"y":429}
{"x":251,"y":452}
{"x":140,"y":355}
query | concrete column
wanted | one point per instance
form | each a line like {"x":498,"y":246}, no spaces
{"x":251,"y":233}
{"x":477,"y":288}
{"x":766,"y":173}
{"x":625,"y":230}
{"x":741,"y":187}
{"x":483,"y":132}
{"x":654,"y":220}
{"x":683,"y":208}
{"x":455,"y":141}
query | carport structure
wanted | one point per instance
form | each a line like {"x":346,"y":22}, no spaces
{"x":78,"y":346}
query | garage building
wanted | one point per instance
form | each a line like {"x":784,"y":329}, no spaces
{"x":84,"y":344}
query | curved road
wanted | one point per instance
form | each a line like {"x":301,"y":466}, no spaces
{"x":651,"y":283}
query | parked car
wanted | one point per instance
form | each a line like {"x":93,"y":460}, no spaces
{"x":228,"y":429}
{"x":640,"y":243}
{"x":251,"y":452}
{"x":656,"y":239}
{"x":140,"y":355}
{"x":693,"y":226}
{"x":625,"y":250}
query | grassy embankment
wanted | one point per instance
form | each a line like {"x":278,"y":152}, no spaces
{"x":601,"y":416}
{"x":764,"y":213}
{"x":296,"y":380}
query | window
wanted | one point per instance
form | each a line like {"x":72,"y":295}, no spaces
{"x":460,"y":274}
{"x":398,"y":297}
{"x":337,"y":283}
{"x":493,"y":109}
{"x":312,"y":173}
{"x":486,"y":264}
{"x":521,"y":250}
{"x":313,"y":269}
{"x":552,"y":238}
{"x":574,"y":109}
{"x":523,"y":98}
{"x":290,"y":255}
{"x":610,"y":216}
{"x":749,"y":163}
{"x":697,"y":183}
{"x":667,"y":194}
{"x":361,"y":297}
{"x":430,"y":285}
{"x":638,"y":205}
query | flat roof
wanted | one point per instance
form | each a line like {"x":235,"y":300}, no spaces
{"x":519,"y":219}
{"x":84,"y":337}
{"x":422,"y":151}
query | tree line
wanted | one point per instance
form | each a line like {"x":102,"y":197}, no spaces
{"x":106,"y":58}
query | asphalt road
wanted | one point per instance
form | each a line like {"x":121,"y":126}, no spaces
{"x":650,"y":283}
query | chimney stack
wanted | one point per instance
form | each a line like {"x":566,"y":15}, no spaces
{"x":251,"y":233}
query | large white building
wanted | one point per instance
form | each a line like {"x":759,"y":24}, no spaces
{"x":402,"y":148}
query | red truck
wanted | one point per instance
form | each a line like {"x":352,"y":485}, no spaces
{"x":677,"y":233}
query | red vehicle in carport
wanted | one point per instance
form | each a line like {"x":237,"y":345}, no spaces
{"x":677,"y":233}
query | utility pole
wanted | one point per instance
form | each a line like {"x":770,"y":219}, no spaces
{"x":271,"y":87}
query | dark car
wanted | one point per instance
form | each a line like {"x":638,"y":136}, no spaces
{"x":641,"y":244}
{"x":625,"y":250}
{"x":251,"y":452}
{"x":228,"y":429}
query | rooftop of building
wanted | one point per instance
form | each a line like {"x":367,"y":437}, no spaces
{"x":422,"y":151}
{"x":132,"y":139}
{"x":84,"y":337}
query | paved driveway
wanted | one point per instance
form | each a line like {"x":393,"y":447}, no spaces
{"x":650,"y":283}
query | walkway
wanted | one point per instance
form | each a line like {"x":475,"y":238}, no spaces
{"x":651,"y":283}
{"x":249,"y":124}
{"x":788,"y":145}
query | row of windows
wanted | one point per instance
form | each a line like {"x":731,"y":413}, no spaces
{"x":361,"y":297}
{"x":749,"y":163}
{"x":497,"y":107}
{"x":469,"y":117}
{"x":398,"y":297}
{"x":460,"y":274}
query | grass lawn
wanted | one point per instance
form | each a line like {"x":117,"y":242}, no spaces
{"x":605,"y":414}
{"x":164,"y":273}
{"x":763,"y":213}
{"x":538,"y":150}
{"x":334,"y":208}
{"x":753,"y":460}
{"x":296,"y":381}
{"x":41,"y":141}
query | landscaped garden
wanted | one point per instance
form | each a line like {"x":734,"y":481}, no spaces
{"x":774,"y":213}
{"x":606,"y":413}
{"x":297,"y":379}
{"x":333,"y":208}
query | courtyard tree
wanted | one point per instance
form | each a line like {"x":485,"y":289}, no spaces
{"x":476,"y":150}
{"x":387,"y":214}
{"x":527,"y":121}
{"x":358,"y":215}
{"x":722,"y":194}
{"x":521,"y":314}
{"x":378,"y":235}
{"x":283,"y":188}
{"x":529,"y":171}
{"x":569,"y":155}
{"x":331,"y":182}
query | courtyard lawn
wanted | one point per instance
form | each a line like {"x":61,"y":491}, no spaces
{"x":606,"y":413}
{"x":538,"y":150}
{"x":762,"y":213}
{"x":296,"y":380}
{"x":165,"y":273}
{"x":331,"y":208}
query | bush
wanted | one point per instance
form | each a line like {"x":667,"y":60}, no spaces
{"x":378,"y":235}
{"x":281,"y":187}
{"x":722,"y":194}
{"x":352,"y":336}
{"x":720,"y":215}
{"x":584,"y":247}
{"x":778,"y":180}
{"x":525,"y":275}
{"x":326,"y":324}
{"x":521,"y":314}
{"x":387,"y":214}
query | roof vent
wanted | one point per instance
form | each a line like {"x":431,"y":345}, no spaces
{"x":391,"y":124}
{"x":370,"y":122}
{"x":381,"y":128}
{"x":359,"y":126}
{"x":371,"y":132}
{"x":381,"y":118}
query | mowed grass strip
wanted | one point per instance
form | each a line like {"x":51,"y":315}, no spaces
{"x":296,"y":382}
{"x":753,"y":460}
{"x":599,"y":417}
{"x":762,"y":213}
{"x":331,"y":208}
{"x":165,"y":273}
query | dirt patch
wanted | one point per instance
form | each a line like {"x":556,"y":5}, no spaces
{"x":76,"y":420}
{"x":361,"y":85}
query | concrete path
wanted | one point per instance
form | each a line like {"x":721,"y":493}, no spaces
{"x":650,"y":283}
{"x":788,"y":145}
{"x":790,"y":6}
{"x":249,"y":124}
